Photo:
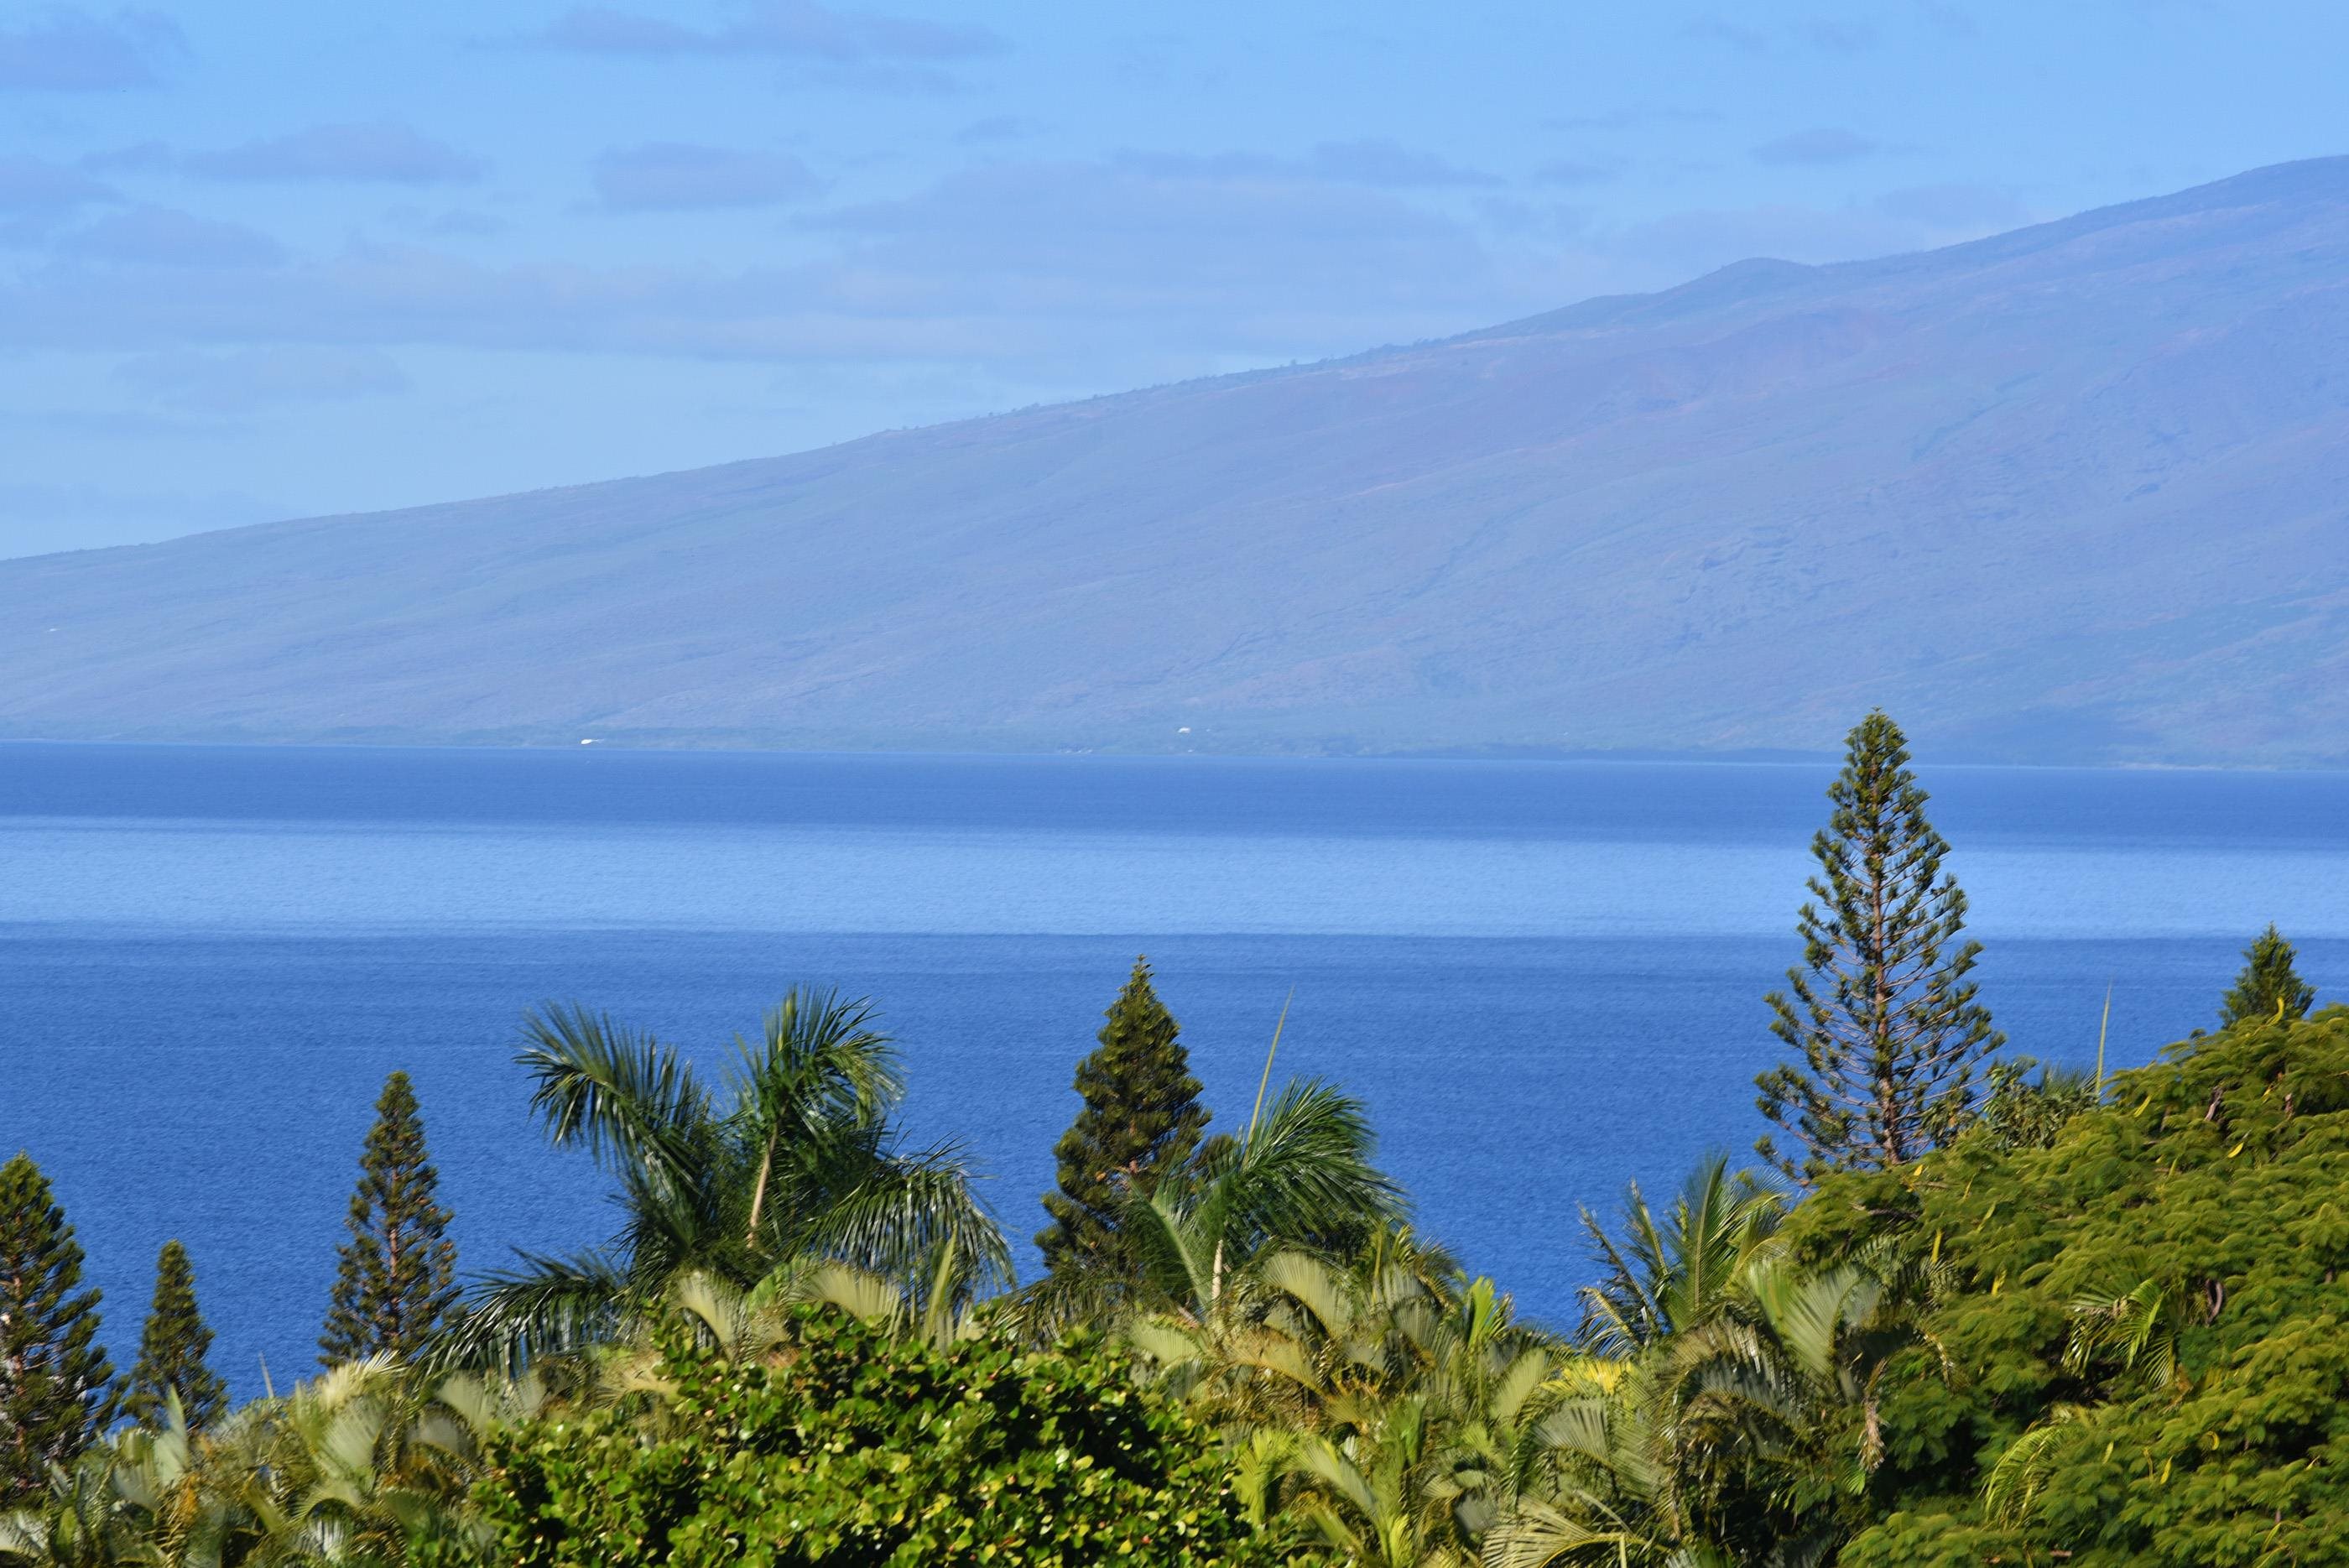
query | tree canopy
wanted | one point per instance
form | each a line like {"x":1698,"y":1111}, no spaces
{"x":2149,"y":1315}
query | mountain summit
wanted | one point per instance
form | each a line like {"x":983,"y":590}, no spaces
{"x":2078,"y":492}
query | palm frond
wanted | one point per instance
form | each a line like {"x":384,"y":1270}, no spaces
{"x":895,"y":1219}
{"x":630,"y":1100}
{"x":819,"y":1061}
{"x":1305,"y":1176}
{"x":547,"y":1306}
{"x":2011,"y":1491}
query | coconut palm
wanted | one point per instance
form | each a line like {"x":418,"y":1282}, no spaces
{"x":798,"y":1159}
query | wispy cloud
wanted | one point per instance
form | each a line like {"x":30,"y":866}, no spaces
{"x":249,"y":378}
{"x":1581,"y":170}
{"x":1736,"y":34}
{"x":30,"y":186}
{"x":1824,"y":144}
{"x":1634,"y":118}
{"x":1380,"y":165}
{"x":1148,"y":272}
{"x":380,"y":151}
{"x":788,"y":28}
{"x":1835,"y":36}
{"x":164,"y":236}
{"x":995,"y":127}
{"x":62,"y":48}
{"x":675,"y":175}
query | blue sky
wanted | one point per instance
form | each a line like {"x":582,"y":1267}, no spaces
{"x":261,"y":261}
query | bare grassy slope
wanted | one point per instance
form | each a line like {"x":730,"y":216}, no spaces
{"x":2075,"y":492}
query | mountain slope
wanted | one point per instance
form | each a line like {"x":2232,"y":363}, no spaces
{"x":2072,"y":493}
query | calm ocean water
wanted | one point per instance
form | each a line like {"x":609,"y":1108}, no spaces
{"x":1546,"y":979}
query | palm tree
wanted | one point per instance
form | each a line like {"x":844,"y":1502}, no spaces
{"x":801,"y":1160}
{"x":1388,"y":1403}
{"x":1681,"y":1272}
{"x":1728,"y":1413}
{"x":367,"y":1465}
{"x":1301,"y":1176}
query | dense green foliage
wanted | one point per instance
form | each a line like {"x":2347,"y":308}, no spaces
{"x":56,"y":1386}
{"x":2009,"y":1313}
{"x":172,"y":1349}
{"x":1141,"y":1116}
{"x":1886,"y":1028}
{"x":368,"y":1464}
{"x":2148,"y":1315}
{"x":2269,"y":989}
{"x":394,"y":1276}
{"x":841,"y":1446}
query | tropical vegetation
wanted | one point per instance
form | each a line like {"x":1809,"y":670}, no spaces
{"x":1975,"y":1310}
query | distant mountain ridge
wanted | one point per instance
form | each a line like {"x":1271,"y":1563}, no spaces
{"x":2075,"y":494}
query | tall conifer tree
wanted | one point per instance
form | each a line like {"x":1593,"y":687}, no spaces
{"x":172,"y":1351}
{"x":1885,"y":1022}
{"x":2269,"y":990}
{"x":56,"y":1389}
{"x":396,"y":1275}
{"x":1142,"y":1118}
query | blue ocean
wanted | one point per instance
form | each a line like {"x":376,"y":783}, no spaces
{"x":1546,"y":979}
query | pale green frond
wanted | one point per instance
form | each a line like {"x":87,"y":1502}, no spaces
{"x":2011,"y":1491}
{"x":860,"y":1293}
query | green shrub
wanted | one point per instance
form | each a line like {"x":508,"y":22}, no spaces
{"x":848,"y":1447}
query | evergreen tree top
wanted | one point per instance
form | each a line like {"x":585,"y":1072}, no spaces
{"x":172,"y":1350}
{"x":1141,"y":1118}
{"x":56,"y":1386}
{"x":1888,"y":1027}
{"x":2269,"y":990}
{"x":395,"y":1279}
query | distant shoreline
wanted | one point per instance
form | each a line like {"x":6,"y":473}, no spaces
{"x":1746,"y":757}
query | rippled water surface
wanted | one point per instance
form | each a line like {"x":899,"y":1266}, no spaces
{"x":1545,"y":978}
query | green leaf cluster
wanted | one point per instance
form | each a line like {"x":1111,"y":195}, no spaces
{"x":793,"y":1159}
{"x":848,"y":1447}
{"x":2142,"y":1353}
